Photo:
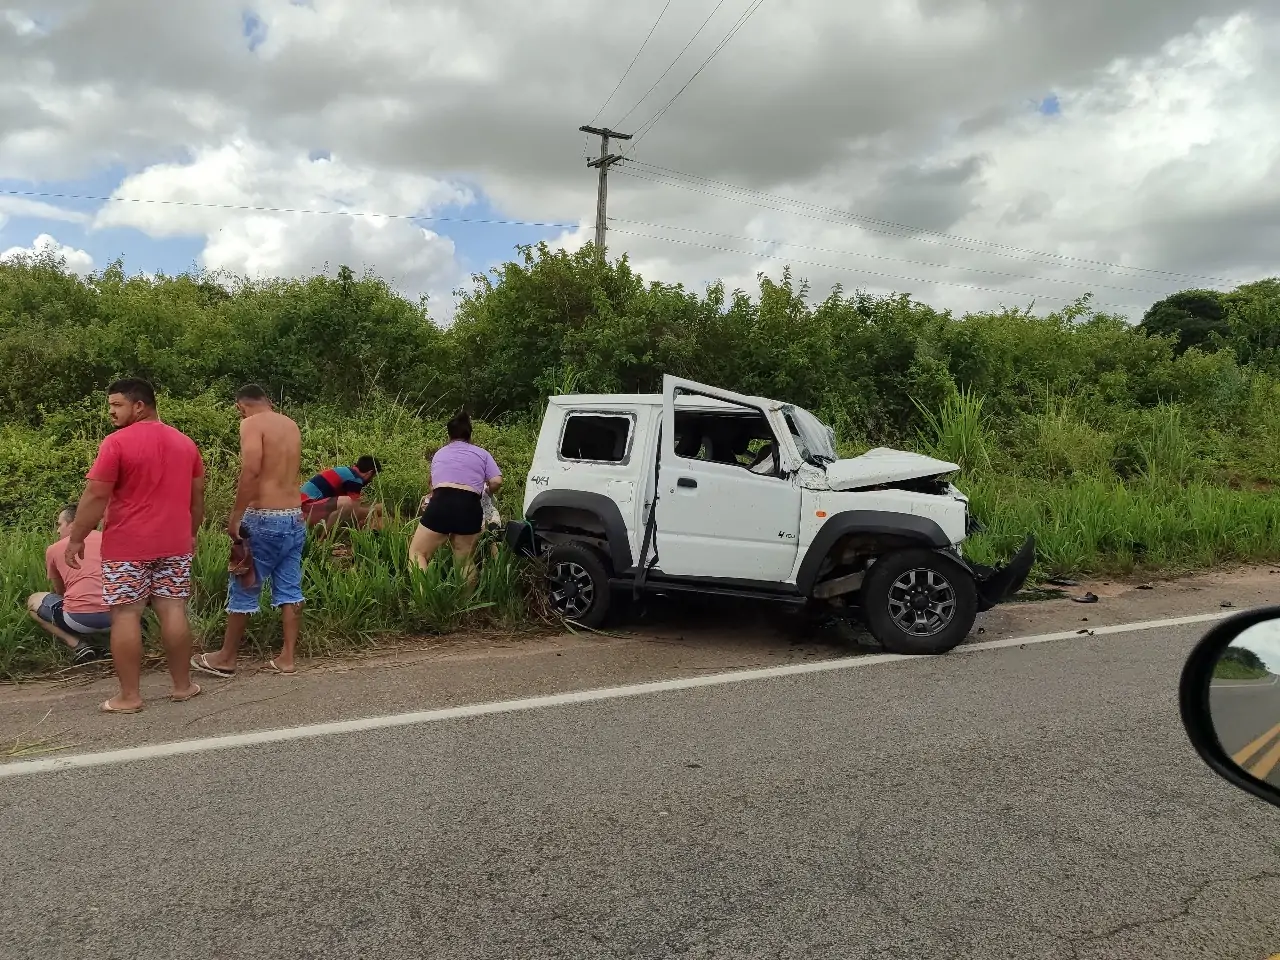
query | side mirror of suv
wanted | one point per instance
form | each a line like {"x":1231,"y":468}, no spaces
{"x":1230,"y":701}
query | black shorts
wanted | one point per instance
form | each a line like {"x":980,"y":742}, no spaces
{"x":454,"y":512}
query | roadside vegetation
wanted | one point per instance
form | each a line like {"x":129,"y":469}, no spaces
{"x":1240,"y":663}
{"x":1153,"y":447}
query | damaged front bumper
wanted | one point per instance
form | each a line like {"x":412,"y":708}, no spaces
{"x":998,"y":584}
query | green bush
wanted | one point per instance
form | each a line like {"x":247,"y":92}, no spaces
{"x":1118,"y":446}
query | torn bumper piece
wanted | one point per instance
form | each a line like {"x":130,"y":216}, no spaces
{"x":998,"y":584}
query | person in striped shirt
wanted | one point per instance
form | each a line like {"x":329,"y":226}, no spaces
{"x":332,"y":496}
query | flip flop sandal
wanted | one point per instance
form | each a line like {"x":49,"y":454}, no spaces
{"x":201,"y":662}
{"x":106,"y":707}
{"x":271,"y":667}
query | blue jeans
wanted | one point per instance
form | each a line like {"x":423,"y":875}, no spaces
{"x":276,"y":538}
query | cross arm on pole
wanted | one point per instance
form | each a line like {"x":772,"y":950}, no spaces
{"x":606,"y":132}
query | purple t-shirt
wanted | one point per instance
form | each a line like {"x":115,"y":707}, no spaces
{"x":463,"y":463}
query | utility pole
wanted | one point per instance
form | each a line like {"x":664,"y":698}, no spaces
{"x":603,"y":163}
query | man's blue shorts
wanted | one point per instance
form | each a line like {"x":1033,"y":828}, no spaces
{"x":82,"y":624}
{"x":276,"y":538}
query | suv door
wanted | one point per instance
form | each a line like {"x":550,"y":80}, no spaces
{"x":718,"y":519}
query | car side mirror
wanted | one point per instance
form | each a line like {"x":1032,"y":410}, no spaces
{"x":1230,"y":701}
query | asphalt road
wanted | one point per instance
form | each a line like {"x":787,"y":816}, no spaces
{"x":1246,"y":718}
{"x":1032,"y":803}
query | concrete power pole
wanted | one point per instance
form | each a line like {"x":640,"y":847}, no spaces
{"x":603,"y":163}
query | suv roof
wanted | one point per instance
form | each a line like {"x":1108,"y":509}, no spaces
{"x":612,"y":401}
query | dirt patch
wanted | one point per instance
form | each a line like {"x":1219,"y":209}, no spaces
{"x":1133,"y":600}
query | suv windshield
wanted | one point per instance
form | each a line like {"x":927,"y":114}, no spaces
{"x":814,"y":439}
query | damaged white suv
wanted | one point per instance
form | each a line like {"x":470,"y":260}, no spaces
{"x":706,"y":491}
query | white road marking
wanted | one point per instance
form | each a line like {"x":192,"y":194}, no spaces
{"x":312,"y":731}
{"x":1246,"y":685}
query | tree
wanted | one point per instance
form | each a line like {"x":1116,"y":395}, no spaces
{"x":1193,"y":316}
{"x":1253,"y":311}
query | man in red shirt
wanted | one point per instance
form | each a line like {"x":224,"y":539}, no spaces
{"x":149,"y":480}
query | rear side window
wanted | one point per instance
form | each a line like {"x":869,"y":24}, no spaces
{"x":600,"y":438}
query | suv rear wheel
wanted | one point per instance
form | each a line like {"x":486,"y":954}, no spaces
{"x":578,"y":584}
{"x":919,"y":602}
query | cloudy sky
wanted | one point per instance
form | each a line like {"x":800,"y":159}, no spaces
{"x":970,"y":152}
{"x":1264,"y":640}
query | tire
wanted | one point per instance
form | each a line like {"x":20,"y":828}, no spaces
{"x":578,"y":584}
{"x":919,"y":602}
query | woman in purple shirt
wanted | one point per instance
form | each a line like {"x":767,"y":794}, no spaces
{"x":460,"y":474}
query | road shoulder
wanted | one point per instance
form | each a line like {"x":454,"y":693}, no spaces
{"x":49,"y":718}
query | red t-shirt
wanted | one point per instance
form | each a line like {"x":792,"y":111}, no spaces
{"x":150,"y":467}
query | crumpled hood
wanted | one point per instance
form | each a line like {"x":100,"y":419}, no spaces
{"x":882,"y":465}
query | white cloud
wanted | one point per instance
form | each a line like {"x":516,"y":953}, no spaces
{"x":16,"y":206}
{"x":250,"y":205}
{"x":1127,"y":173}
{"x":915,"y":111}
{"x":1264,"y":640}
{"x":77,"y":261}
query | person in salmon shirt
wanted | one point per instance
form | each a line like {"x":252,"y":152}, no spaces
{"x":74,"y":611}
{"x":148,"y":479}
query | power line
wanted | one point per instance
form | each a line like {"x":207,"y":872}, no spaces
{"x":517,"y":223}
{"x":636,"y":105}
{"x":846,"y":223}
{"x":746,"y":15}
{"x":874,"y":256}
{"x":627,"y":72}
{"x":871,"y":273}
{"x":314,"y":212}
{"x":890,"y":227}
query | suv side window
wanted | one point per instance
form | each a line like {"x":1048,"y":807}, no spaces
{"x":596,"y":437}
{"x":743,"y":439}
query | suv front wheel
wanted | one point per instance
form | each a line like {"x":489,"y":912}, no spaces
{"x":578,"y":584}
{"x":919,"y":602}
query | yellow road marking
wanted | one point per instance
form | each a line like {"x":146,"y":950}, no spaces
{"x":1263,"y":767}
{"x":1241,"y":756}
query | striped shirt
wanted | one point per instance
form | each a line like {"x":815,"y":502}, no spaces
{"x":337,"y":482}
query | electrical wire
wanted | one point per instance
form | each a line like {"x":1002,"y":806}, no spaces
{"x":893,"y":228}
{"x":872,"y":273}
{"x":645,"y":128}
{"x":862,"y":226}
{"x":259,"y":209}
{"x":671,"y":66}
{"x":875,"y":256}
{"x":627,"y":72}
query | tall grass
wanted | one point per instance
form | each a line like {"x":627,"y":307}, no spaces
{"x":959,"y":432}
{"x":360,"y":587}
{"x":1064,"y":488}
{"x":1150,"y":492}
{"x":1098,"y":526}
{"x":1059,"y":443}
{"x":22,"y":644}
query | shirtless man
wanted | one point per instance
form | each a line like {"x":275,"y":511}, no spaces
{"x":268,"y":515}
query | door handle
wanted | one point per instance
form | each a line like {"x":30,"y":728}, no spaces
{"x":686,"y":482}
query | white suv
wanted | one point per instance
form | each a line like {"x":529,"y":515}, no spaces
{"x":706,"y":491}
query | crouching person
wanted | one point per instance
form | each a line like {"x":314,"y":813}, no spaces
{"x":74,"y":612}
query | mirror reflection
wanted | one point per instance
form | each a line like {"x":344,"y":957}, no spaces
{"x":1244,"y":701}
